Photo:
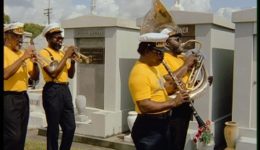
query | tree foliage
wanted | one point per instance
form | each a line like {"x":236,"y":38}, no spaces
{"x":33,"y":28}
{"x":6,"y":19}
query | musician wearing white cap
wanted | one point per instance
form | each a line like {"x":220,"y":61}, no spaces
{"x":19,"y":66}
{"x":181,"y":65}
{"x":57,"y":99}
{"x":152,"y":103}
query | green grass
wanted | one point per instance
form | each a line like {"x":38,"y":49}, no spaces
{"x":36,"y":145}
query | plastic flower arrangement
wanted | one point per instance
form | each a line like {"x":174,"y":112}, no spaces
{"x":204,"y":134}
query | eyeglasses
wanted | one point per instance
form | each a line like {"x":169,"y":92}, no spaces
{"x":57,"y":38}
{"x":176,"y":38}
{"x":157,"y":52}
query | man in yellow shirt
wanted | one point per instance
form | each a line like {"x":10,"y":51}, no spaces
{"x":18,"y":67}
{"x":181,"y":65}
{"x":57,"y":99}
{"x":152,"y":103}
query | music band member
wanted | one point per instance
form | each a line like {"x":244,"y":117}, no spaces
{"x":57,"y":98}
{"x":19,"y":66}
{"x":151,"y":101}
{"x":181,"y":65}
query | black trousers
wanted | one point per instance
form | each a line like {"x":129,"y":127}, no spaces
{"x":178,"y":127}
{"x":149,"y":132}
{"x":16,"y":116}
{"x":57,"y":103}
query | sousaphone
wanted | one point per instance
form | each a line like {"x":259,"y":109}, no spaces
{"x":156,"y":20}
{"x":156,"y":17}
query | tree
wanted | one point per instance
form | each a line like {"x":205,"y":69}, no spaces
{"x":6,"y":19}
{"x":33,"y":28}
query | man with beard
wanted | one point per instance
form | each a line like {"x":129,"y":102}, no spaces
{"x":181,"y":65}
{"x":17,"y":66}
{"x":57,"y":98}
{"x":151,"y":101}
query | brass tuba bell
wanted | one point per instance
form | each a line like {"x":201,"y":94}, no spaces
{"x":156,"y":17}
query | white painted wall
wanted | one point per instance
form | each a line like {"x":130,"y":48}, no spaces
{"x":245,"y":68}
{"x":245,"y":81}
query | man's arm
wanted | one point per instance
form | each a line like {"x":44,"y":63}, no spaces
{"x":55,"y":72}
{"x":170,"y":85}
{"x":148,"y":106}
{"x":35,"y":74}
{"x":12,"y":69}
{"x":189,"y":62}
{"x":71,"y":70}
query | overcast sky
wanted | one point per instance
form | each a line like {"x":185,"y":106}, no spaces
{"x":33,"y":10}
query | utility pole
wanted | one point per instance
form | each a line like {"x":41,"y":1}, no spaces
{"x":93,"y":7}
{"x":48,"y":12}
{"x":177,"y":5}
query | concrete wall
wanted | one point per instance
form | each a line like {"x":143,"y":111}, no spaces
{"x":245,"y":68}
{"x":245,"y":81}
{"x":217,"y":47}
{"x":121,"y":53}
{"x":120,"y":43}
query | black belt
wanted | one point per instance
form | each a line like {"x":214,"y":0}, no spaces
{"x":58,"y":83}
{"x":14,"y":92}
{"x":164,"y":115}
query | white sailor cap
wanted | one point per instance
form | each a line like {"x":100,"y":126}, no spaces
{"x":51,"y":28}
{"x":172,"y":31}
{"x":17,"y":28}
{"x":154,"y":40}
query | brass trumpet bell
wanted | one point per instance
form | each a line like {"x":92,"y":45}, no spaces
{"x":78,"y":56}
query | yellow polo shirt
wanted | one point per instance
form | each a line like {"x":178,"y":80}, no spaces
{"x":174,"y":63}
{"x":146,"y":83}
{"x":19,"y":81}
{"x":57,"y":55}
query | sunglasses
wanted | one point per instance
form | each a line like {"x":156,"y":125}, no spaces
{"x":157,"y":52}
{"x":176,"y":38}
{"x":57,"y":38}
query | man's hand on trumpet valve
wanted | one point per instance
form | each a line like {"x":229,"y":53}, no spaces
{"x":70,"y":51}
{"x":75,"y":57}
{"x":29,"y":52}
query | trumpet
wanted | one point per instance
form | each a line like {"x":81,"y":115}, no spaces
{"x":79,"y":57}
{"x":39,"y":59}
{"x":43,"y":61}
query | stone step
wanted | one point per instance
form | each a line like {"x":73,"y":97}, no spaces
{"x":115,"y":142}
{"x":246,"y":143}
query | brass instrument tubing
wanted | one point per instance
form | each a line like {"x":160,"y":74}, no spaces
{"x":80,"y":57}
{"x":179,"y":86}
